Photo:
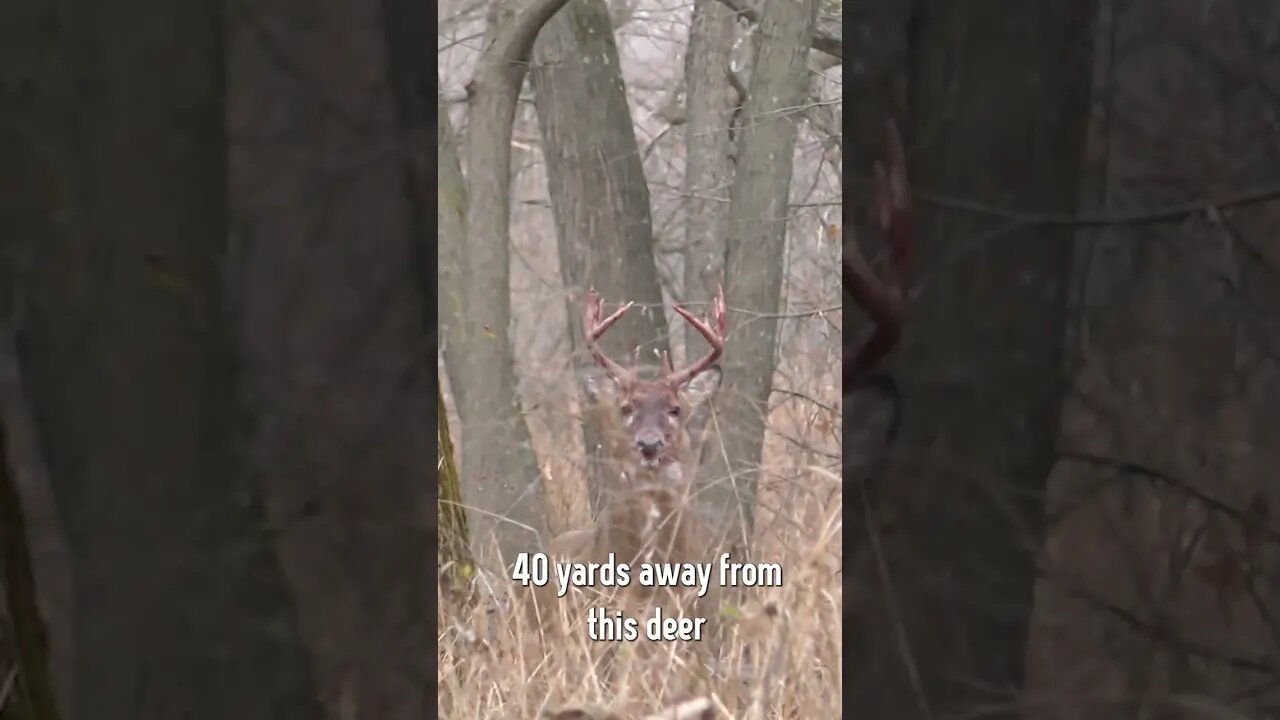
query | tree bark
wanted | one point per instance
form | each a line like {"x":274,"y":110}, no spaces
{"x":451,"y":234}
{"x":499,"y":470}
{"x":754,"y":257}
{"x":181,"y":609}
{"x":999,"y":107}
{"x":708,"y":176}
{"x":599,"y":195}
{"x":327,"y":267}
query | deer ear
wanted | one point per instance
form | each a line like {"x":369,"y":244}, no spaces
{"x":599,"y":385}
{"x":702,"y":387}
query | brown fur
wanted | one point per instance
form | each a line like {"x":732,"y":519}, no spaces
{"x":649,"y":516}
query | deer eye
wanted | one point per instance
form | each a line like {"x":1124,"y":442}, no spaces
{"x":625,"y":410}
{"x":674,"y":411}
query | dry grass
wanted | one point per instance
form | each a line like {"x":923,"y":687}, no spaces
{"x":780,"y":657}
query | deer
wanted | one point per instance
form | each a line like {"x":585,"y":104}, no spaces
{"x":648,"y":518}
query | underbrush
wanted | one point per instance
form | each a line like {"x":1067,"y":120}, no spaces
{"x":779,"y":655}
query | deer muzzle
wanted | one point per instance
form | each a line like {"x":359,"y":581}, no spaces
{"x":650,"y":447}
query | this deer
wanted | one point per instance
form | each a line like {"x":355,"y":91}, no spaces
{"x":648,"y":518}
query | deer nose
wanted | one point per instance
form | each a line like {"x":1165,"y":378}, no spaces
{"x":649,"y":447}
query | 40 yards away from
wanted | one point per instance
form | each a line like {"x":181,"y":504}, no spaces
{"x":535,"y":569}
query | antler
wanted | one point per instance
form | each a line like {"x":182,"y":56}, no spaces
{"x":883,"y":299}
{"x":593,"y":327}
{"x":715,"y":338}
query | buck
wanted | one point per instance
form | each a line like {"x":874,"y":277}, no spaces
{"x":648,"y":518}
{"x":645,"y":420}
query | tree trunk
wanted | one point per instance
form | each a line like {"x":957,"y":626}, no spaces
{"x":754,"y":258}
{"x":708,"y":175}
{"x":1000,"y":103}
{"x":181,"y":609}
{"x":451,"y":234}
{"x":337,"y":356}
{"x":499,"y":470}
{"x":599,"y":196}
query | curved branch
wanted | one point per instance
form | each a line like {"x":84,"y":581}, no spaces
{"x":827,"y":36}
{"x":515,"y":42}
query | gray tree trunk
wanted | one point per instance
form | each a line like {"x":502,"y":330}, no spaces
{"x":1000,"y":103}
{"x":708,"y":176}
{"x":181,"y":609}
{"x":451,"y":239}
{"x":599,"y":196}
{"x":338,"y":363}
{"x":754,"y":257}
{"x":499,"y":470}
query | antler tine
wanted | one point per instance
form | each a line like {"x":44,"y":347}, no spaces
{"x":714,"y":336}
{"x":884,"y":300}
{"x":666,"y":363}
{"x":593,"y":327}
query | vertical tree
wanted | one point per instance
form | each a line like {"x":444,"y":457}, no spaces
{"x":329,"y":156}
{"x":181,"y":609}
{"x":599,"y":196}
{"x":754,"y":252}
{"x":499,"y":471}
{"x":710,"y":102}
{"x":998,"y":102}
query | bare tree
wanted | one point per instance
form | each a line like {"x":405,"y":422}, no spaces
{"x":500,"y":472}
{"x":329,"y":294}
{"x":1158,"y":595}
{"x":711,"y":98}
{"x":754,"y":257}
{"x":998,"y":106}
{"x":126,"y":362}
{"x":599,"y":195}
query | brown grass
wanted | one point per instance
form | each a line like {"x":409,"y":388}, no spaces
{"x":779,"y":659}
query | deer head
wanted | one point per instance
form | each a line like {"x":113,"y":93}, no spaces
{"x":645,"y":419}
{"x":649,"y":519}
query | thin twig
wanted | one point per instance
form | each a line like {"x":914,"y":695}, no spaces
{"x":1131,"y":467}
{"x":1142,"y":217}
{"x":1163,"y":633}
